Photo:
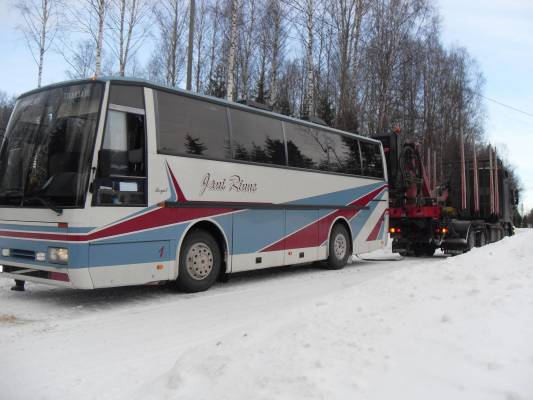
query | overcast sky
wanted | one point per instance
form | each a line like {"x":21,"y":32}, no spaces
{"x":498,"y":33}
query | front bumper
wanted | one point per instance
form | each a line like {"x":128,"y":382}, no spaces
{"x":35,"y":275}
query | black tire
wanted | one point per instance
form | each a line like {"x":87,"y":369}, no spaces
{"x":471,"y":240}
{"x":339,"y":238}
{"x":199,"y":262}
{"x":482,"y":239}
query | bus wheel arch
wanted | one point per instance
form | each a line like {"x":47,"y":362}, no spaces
{"x":216,"y":231}
{"x":339,"y":226}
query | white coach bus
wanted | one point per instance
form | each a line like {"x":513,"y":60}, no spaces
{"x":114,"y":182}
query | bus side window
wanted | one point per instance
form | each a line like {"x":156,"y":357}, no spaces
{"x":372,"y":162}
{"x":257,"y":138}
{"x":307,"y":147}
{"x":121,"y":175}
{"x":345,"y":155}
{"x":187,"y":126}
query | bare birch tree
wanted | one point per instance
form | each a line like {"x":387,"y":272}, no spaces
{"x":88,"y":18}
{"x":215,"y":24}
{"x":100,"y":6}
{"x":305,"y":23}
{"x":230,"y":88}
{"x":308,"y":107}
{"x":247,"y":46}
{"x":127,"y":22}
{"x":190,"y":46}
{"x":41,"y":23}
{"x":200,"y":33}
{"x":347,"y":17}
{"x":82,"y":60}
{"x":275,"y":18}
{"x":171,"y":18}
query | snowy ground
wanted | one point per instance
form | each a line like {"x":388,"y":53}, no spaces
{"x":429,"y":328}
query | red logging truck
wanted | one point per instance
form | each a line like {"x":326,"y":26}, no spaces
{"x":473,"y":208}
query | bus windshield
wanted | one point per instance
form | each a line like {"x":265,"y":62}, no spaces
{"x":46,"y":152}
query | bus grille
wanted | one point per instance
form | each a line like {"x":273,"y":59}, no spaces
{"x":24,"y":272}
{"x":26,"y":254}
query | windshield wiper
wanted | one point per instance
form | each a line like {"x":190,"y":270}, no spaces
{"x":46,"y":202}
{"x":17,"y":194}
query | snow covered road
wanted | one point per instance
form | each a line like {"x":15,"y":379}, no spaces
{"x":438,"y":328}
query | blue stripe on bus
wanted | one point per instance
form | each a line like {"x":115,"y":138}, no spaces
{"x":341,"y":197}
{"x":256,"y":229}
{"x":129,"y":253}
{"x":297,"y":219}
{"x":77,"y":252}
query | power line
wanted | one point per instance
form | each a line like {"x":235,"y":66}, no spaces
{"x":505,"y":105}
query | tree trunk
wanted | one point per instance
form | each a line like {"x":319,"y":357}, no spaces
{"x":308,"y":108}
{"x":213,"y":42}
{"x":121,"y":37}
{"x":232,"y":47}
{"x":200,"y":31}
{"x":100,"y":38}
{"x":133,"y":21}
{"x":192,"y":16}
{"x":42,"y":42}
{"x":172,"y":72}
{"x":275,"y":53}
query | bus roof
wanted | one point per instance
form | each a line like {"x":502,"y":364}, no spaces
{"x":216,"y":100}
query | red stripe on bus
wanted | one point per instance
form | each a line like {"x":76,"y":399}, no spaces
{"x":308,"y":237}
{"x":375,"y":232}
{"x":157,"y":218}
{"x":177,"y":188}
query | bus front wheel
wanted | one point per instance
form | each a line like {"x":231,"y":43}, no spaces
{"x":199,"y":262}
{"x":339,"y":247}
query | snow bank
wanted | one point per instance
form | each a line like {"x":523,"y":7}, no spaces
{"x":461,"y":328}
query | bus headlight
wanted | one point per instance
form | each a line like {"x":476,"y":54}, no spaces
{"x":57,"y":255}
{"x":6,"y":252}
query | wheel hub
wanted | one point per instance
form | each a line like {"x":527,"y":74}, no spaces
{"x":199,"y":261}
{"x":339,"y":246}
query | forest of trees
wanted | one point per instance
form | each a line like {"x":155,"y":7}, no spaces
{"x":365,"y":66}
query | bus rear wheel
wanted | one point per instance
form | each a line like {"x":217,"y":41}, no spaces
{"x":199,"y":262}
{"x":339,"y":247}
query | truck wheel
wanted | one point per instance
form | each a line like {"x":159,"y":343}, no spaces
{"x":339,"y":247}
{"x":199,"y":262}
{"x":471,"y":240}
{"x":482,"y":239}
